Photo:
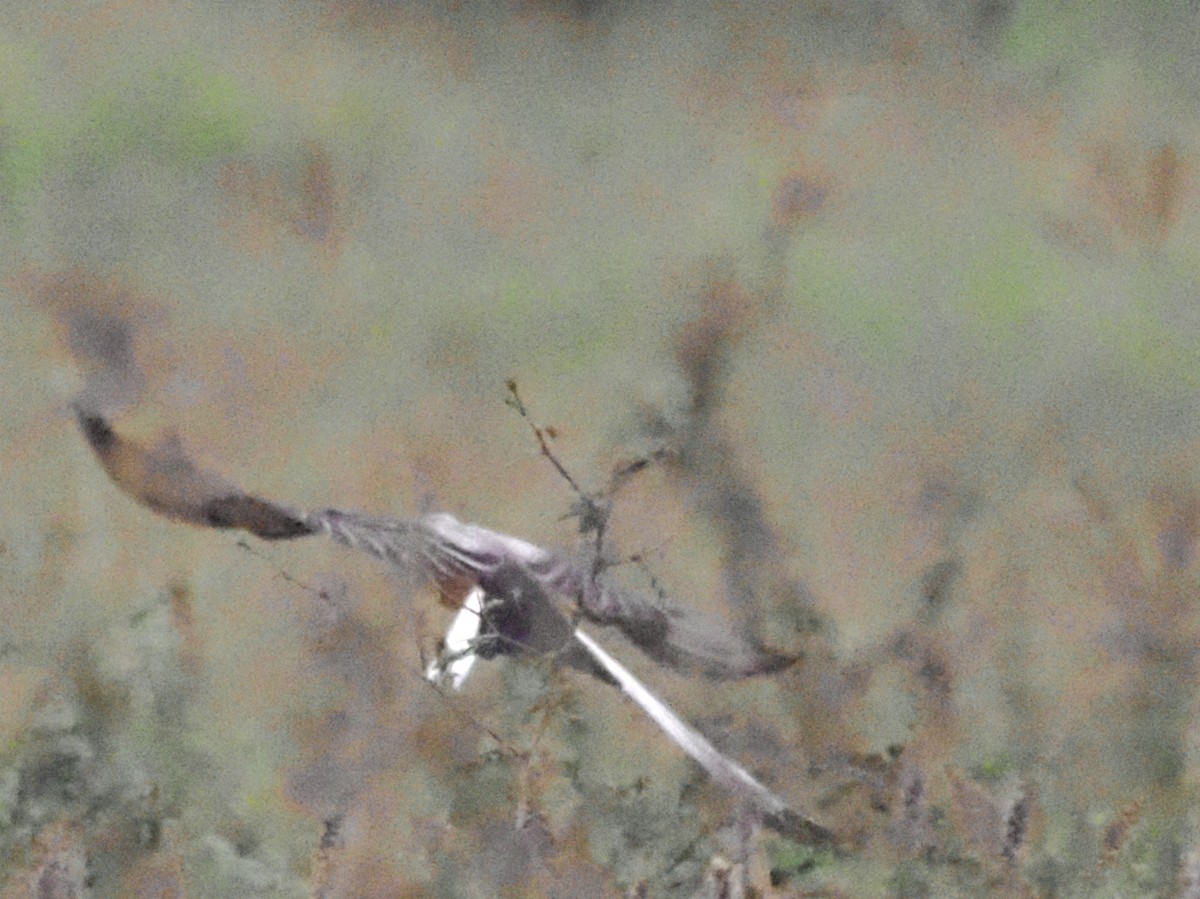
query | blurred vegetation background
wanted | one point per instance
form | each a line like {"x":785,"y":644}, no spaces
{"x":910,"y":290}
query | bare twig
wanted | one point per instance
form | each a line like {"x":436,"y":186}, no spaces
{"x":592,"y":510}
{"x":544,"y":435}
{"x":281,"y":573}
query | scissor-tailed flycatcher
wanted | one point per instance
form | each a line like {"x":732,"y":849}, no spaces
{"x":509,"y":584}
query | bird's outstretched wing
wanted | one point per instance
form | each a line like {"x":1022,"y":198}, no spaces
{"x":436,"y":549}
{"x":519,"y":575}
{"x":450,"y":553}
{"x":163,"y":477}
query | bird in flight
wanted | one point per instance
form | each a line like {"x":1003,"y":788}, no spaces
{"x":517,"y":598}
{"x":507,"y":583}
{"x":434,"y":548}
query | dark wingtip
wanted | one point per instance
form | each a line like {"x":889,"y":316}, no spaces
{"x":96,"y":430}
{"x":259,"y":517}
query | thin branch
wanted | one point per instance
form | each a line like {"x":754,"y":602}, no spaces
{"x":543,"y":435}
{"x":280,"y":572}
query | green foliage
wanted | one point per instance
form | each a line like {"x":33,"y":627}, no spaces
{"x":1150,"y":349}
{"x":183,"y":114}
{"x":1014,"y":278}
{"x":788,"y":859}
{"x":995,"y":768}
{"x":840,"y":297}
{"x":1047,"y":32}
{"x":24,"y":130}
